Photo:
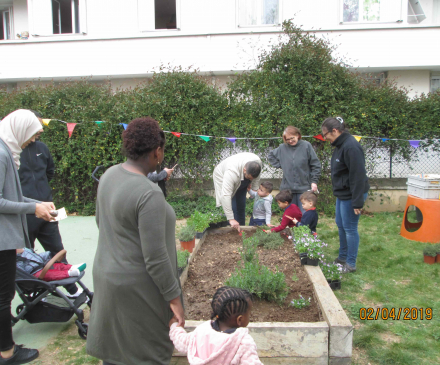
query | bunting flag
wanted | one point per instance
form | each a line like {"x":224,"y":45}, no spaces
{"x":177,"y":134}
{"x":358,"y":138}
{"x":99,"y":122}
{"x":70,"y":128}
{"x":231,"y":139}
{"x":414,"y":144}
{"x":124,"y":125}
{"x":46,"y":122}
{"x":205,"y":138}
{"x":319,"y":137}
{"x":385,"y":139}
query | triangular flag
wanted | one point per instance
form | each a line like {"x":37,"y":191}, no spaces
{"x":232,"y":140}
{"x":358,"y":138}
{"x":124,"y":125}
{"x":414,"y":144}
{"x":385,"y":139}
{"x":46,"y":122}
{"x":177,"y":134}
{"x":70,"y":128}
{"x":99,"y":122}
{"x":319,"y":137}
{"x":205,"y":138}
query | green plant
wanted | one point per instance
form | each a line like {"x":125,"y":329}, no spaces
{"x":249,"y":250}
{"x":430,"y":250}
{"x":199,"y":221}
{"x":301,"y":302}
{"x":331,"y":271}
{"x":182,"y":258}
{"x":268,"y":241}
{"x":437,"y":247}
{"x":261,"y":281}
{"x":187,"y":233}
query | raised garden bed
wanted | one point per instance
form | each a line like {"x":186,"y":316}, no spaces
{"x":318,"y":334}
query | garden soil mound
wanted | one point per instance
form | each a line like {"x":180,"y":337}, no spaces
{"x":216,"y":261}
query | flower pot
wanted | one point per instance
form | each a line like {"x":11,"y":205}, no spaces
{"x":303,"y":258}
{"x":200,"y":235}
{"x":437,"y":258}
{"x":312,"y":262}
{"x":224,"y":224}
{"x":188,"y":245}
{"x":334,"y":284}
{"x":429,"y":259}
{"x":214,"y":225}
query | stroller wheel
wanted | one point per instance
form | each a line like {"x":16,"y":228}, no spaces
{"x":81,"y":333}
{"x":19,"y":308}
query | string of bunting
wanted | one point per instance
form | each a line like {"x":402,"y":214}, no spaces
{"x":71,"y":127}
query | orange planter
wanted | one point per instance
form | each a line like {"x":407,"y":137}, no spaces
{"x":188,"y":245}
{"x":429,"y":259}
{"x":437,"y":258}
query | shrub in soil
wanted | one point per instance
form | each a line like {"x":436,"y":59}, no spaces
{"x":301,"y":302}
{"x":268,"y":241}
{"x":182,"y":258}
{"x":249,"y":250}
{"x":199,"y":221}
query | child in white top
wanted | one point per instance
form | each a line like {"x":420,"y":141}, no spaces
{"x":262,"y":212}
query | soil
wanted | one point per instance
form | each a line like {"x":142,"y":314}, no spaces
{"x":216,"y":261}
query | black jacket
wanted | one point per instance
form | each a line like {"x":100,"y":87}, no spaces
{"x":349,"y":177}
{"x":36,"y":170}
{"x":309,"y":218}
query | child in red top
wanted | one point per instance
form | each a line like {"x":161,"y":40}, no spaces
{"x":284,"y":200}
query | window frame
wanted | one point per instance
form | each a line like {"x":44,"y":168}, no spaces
{"x":341,"y":15}
{"x":434,"y":77}
{"x":150,"y":26}
{"x":280,"y":17}
{"x":8,"y":30}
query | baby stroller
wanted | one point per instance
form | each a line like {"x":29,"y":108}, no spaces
{"x":44,"y":301}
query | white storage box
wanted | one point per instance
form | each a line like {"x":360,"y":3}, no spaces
{"x":425,"y":186}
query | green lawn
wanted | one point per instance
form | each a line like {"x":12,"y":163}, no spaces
{"x":390,"y":274}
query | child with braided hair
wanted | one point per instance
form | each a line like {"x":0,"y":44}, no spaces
{"x":224,"y":339}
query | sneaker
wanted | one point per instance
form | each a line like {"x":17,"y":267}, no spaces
{"x":20,"y":356}
{"x":76,"y":295}
{"x":80,"y":267}
{"x":339,"y":261}
{"x":348,"y":269}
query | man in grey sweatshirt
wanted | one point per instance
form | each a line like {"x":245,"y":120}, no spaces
{"x":300,"y":165}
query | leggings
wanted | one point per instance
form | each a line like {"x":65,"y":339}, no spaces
{"x":7,"y":292}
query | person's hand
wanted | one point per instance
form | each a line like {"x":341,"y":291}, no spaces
{"x":235,"y":224}
{"x":177,"y":308}
{"x":169,"y":172}
{"x":268,"y":231}
{"x":49,"y":205}
{"x":294,"y":220}
{"x":43,"y":212}
{"x":270,"y":225}
{"x":357,"y":211}
{"x":173,"y":320}
{"x":314,"y":187}
{"x":249,"y":187}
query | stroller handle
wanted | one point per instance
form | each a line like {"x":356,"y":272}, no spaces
{"x":95,"y":171}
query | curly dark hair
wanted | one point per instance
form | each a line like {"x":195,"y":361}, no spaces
{"x":142,"y":136}
{"x":228,"y":302}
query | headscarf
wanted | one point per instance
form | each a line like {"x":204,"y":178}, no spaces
{"x":17,"y":128}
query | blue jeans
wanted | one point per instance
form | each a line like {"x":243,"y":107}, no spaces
{"x":257,"y":222}
{"x":297,"y":201}
{"x":347,"y":223}
{"x":239,"y":203}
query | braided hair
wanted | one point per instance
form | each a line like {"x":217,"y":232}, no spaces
{"x":228,"y":302}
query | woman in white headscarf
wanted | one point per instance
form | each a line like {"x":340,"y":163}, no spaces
{"x":17,"y":130}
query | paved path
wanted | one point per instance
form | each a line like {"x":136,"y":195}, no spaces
{"x":80,"y":238}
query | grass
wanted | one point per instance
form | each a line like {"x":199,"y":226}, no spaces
{"x":390,"y":273}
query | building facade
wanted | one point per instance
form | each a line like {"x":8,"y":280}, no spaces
{"x":124,"y":42}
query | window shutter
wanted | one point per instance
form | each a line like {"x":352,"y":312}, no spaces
{"x":42,"y":17}
{"x":82,"y":4}
{"x":146,"y":15}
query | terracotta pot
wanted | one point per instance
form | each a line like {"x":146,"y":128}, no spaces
{"x":188,"y":245}
{"x":437,"y":258}
{"x":429,"y":259}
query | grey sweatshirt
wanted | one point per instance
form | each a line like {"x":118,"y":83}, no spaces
{"x":300,"y":165}
{"x":262,"y":206}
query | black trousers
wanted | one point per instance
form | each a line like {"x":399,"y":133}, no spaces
{"x":7,"y":292}
{"x":239,"y":202}
{"x":48,"y":234}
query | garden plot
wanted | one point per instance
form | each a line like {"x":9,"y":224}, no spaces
{"x":317,"y":334}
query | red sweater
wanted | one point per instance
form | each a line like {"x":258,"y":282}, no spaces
{"x":292,"y":211}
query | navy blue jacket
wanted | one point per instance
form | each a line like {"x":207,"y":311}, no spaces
{"x":309,"y":218}
{"x":36,"y":170}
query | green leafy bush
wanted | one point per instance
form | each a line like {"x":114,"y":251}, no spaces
{"x":182,"y":258}
{"x":268,"y":241}
{"x":300,"y":303}
{"x":187,"y":233}
{"x":430,"y":250}
{"x":261,"y":281}
{"x":248,"y":251}
{"x":331,"y":270}
{"x":199,"y":221}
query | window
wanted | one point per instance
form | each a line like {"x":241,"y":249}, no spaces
{"x":157,"y":14}
{"x":52,"y":17}
{"x":6,"y":24}
{"x":365,"y":11}
{"x":375,"y":78}
{"x":435,"y":83}
{"x":258,"y":12}
{"x":415,"y":12}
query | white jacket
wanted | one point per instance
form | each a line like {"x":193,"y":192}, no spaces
{"x":227,"y":177}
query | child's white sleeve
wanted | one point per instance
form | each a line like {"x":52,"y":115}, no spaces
{"x":252,"y":193}
{"x":268,"y":209}
{"x":179,"y":337}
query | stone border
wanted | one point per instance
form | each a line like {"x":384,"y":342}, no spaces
{"x":311,"y":343}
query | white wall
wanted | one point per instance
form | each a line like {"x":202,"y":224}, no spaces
{"x":416,"y":81}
